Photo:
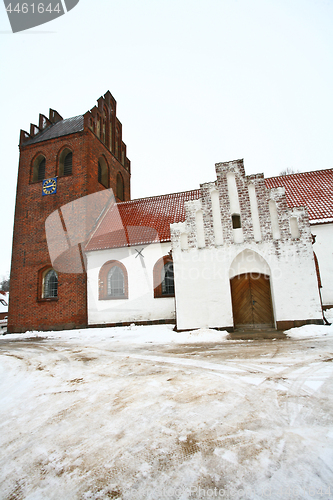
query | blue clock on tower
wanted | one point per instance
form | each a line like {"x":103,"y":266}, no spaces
{"x":49,"y":186}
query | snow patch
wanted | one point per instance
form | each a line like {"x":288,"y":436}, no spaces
{"x":309,"y":331}
{"x":157,"y":334}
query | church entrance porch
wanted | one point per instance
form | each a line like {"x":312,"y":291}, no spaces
{"x":251,"y":301}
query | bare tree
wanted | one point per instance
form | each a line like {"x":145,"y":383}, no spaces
{"x":4,"y":284}
{"x":288,"y":171}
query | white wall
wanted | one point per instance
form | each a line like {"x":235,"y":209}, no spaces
{"x":203,"y":295}
{"x":273,"y":240}
{"x":202,"y":289}
{"x":141,"y":304}
{"x":202,"y":283}
{"x":323,"y":248}
{"x":294,"y":284}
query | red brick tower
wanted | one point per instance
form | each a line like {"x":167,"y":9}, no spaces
{"x":84,"y":154}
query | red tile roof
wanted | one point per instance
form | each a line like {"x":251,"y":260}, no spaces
{"x":311,"y":189}
{"x":140,"y":221}
{"x":148,"y":220}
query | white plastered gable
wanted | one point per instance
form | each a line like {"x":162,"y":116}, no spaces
{"x":239,"y":226}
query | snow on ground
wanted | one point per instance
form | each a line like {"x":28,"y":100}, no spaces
{"x":133,"y":334}
{"x":309,"y":331}
{"x":329,"y":315}
{"x":148,"y":413}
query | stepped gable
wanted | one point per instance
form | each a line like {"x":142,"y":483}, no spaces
{"x":148,"y":220}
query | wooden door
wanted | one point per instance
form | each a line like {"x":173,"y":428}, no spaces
{"x":251,"y":300}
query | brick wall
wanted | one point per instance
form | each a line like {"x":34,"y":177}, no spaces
{"x":30,"y":252}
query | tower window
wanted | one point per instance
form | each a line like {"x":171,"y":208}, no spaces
{"x":38,"y":169}
{"x":65,"y":162}
{"x":99,"y":172}
{"x":236,"y":221}
{"x":103,"y":172}
{"x":41,"y":170}
{"x":68,"y":164}
{"x":120,"y":187}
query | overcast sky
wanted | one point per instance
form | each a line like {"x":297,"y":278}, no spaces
{"x":196,"y":82}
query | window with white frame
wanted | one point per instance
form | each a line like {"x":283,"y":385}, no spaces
{"x":168,"y":287}
{"x":163,"y":278}
{"x":50,"y":284}
{"x":113,"y":281}
{"x":116,"y":282}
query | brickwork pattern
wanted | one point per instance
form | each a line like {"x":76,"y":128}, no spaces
{"x":27,"y":309}
{"x":263,"y":196}
{"x":205,"y":191}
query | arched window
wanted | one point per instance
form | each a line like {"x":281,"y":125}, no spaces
{"x":65,"y":162}
{"x":49,"y":285}
{"x":41,"y":170}
{"x":120,"y":187}
{"x":113,"y":281}
{"x":38,"y":168}
{"x":164,"y":278}
{"x":168,"y":287}
{"x":68,"y":161}
{"x":103,"y":172}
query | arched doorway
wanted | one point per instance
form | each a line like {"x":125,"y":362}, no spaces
{"x":251,"y":300}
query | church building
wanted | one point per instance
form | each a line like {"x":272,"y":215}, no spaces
{"x":240,"y":251}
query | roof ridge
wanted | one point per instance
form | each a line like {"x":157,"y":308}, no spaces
{"x":299,"y":173}
{"x":157,"y":196}
{"x":56,"y":123}
{"x":70,"y":118}
{"x":63,"y":127}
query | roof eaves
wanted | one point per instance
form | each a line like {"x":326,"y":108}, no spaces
{"x":288,"y":176}
{"x":327,"y":220}
{"x":162,"y":196}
